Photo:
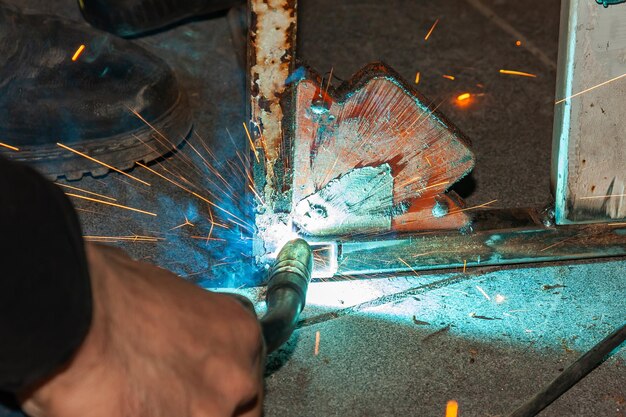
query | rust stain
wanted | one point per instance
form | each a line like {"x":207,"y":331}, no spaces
{"x":375,"y":119}
{"x":272,"y":41}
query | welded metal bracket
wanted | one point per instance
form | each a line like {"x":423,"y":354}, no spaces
{"x":271,"y":58}
{"x":372,"y":156}
{"x":296,"y":117}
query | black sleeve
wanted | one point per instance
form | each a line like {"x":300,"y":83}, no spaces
{"x":45,"y":292}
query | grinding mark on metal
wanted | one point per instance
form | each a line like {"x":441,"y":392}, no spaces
{"x":359,"y":201}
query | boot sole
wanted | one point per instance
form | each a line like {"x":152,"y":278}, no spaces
{"x":120,"y":151}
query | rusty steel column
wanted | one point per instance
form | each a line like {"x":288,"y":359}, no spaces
{"x":271,"y":58}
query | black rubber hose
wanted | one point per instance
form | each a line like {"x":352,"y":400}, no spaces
{"x":286,"y":292}
{"x":574,"y":373}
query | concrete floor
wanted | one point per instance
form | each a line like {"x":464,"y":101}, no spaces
{"x":489,"y":341}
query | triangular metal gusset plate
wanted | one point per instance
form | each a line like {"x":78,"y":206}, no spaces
{"x":372,"y":156}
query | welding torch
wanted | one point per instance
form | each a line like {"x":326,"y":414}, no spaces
{"x":286,"y":292}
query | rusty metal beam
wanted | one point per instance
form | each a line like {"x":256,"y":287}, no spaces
{"x":271,"y":57}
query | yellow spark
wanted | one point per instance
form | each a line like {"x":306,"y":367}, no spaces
{"x":13,"y":148}
{"x":617,"y":224}
{"x":256,"y":194}
{"x":212,"y":225}
{"x":603,"y":196}
{"x":555,"y":244}
{"x":207,"y":239}
{"x":473,"y":207}
{"x":591,"y":88}
{"x":417,"y":77}
{"x":210,"y":233}
{"x":412,"y":180}
{"x":520,"y":73}
{"x":428,"y":160}
{"x":449,"y":77}
{"x":78,"y":52}
{"x":483,"y":293}
{"x":110,"y":204}
{"x":140,"y":117}
{"x":187,"y":223}
{"x":464,"y":96}
{"x":136,"y":238}
{"x":330,"y":77}
{"x":85,"y":191}
{"x":518,"y":43}
{"x":193,"y":193}
{"x":101,"y":163}
{"x":410,"y":267}
{"x":431,"y":30}
{"x":211,"y":167}
{"x":317,"y":343}
{"x":256,"y":154}
{"x":464,"y":265}
{"x":452,"y":408}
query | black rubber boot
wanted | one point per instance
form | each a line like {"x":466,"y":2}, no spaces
{"x":136,"y":17}
{"x":89,"y":103}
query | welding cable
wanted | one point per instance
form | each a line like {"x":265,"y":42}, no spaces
{"x":574,"y":373}
{"x":286,"y":292}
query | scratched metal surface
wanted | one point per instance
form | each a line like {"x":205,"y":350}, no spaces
{"x":383,"y":362}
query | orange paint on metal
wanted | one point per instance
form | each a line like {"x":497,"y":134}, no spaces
{"x":452,"y":408}
{"x":431,"y":30}
{"x":520,"y":73}
{"x":13,"y":148}
{"x":78,"y":52}
{"x":449,"y":77}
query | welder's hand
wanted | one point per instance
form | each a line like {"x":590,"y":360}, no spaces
{"x":158,"y":347}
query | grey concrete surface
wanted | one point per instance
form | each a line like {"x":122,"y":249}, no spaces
{"x":489,"y":342}
{"x":374,"y":358}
